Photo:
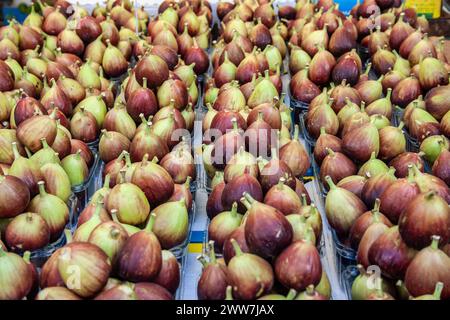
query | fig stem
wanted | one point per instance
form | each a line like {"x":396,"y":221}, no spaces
{"x":234,"y":209}
{"x":150,"y":223}
{"x":98,"y":206}
{"x":361,"y":269}
{"x":187,"y":183}
{"x":310,"y":290}
{"x":106,"y":182}
{"x":330,"y":152}
{"x":245,"y":203}
{"x":304,"y":200}
{"x":438,"y":290}
{"x":291,"y":294}
{"x":212,"y":253}
{"x":435,"y":242}
{"x":229,"y":293}
{"x":237,"y":249}
{"x":248,"y":197}
{"x":41,"y":186}
{"x":202,"y":260}
{"x":410,"y":173}
{"x":27,"y":256}
{"x":330,"y":182}
{"x":15,"y":150}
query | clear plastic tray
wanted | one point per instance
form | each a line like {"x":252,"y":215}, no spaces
{"x":182,"y":261}
{"x":363,"y":53}
{"x":84,"y":191}
{"x":302,"y":122}
{"x":93,"y":145}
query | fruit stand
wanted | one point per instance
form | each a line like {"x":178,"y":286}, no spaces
{"x":231,"y":150}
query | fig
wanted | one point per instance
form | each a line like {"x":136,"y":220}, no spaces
{"x":249,"y":275}
{"x":140,"y":258}
{"x":52,"y":209}
{"x":342,"y":208}
{"x":263,"y":217}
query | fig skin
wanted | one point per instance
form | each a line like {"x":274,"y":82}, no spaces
{"x":426,"y":215}
{"x":140,"y":258}
{"x":169,"y":275}
{"x":16,"y":279}
{"x":342,"y":208}
{"x":267,"y":231}
{"x":94,"y":267}
{"x":249,"y":275}
{"x":428,"y":267}
{"x":370,"y":236}
{"x":298,"y":266}
{"x":239,"y":236}
{"x":214,"y":278}
{"x":361,"y":142}
{"x":234,"y":190}
{"x":15,"y":194}
{"x":391,"y":254}
{"x":364,"y":221}
{"x":338,"y":166}
{"x":404,"y":188}
{"x":27,"y":231}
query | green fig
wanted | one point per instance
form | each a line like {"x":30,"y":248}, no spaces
{"x":130,"y":202}
{"x":54,"y":211}
{"x":128,"y":227}
{"x":94,"y":52}
{"x":110,"y":237}
{"x":364,"y":285}
{"x":26,"y":170}
{"x":103,"y":192}
{"x":382,"y":106}
{"x":264,"y":92}
{"x":301,"y":229}
{"x":171,"y":223}
{"x":432,"y":147}
{"x":274,"y":296}
{"x":324,"y":287}
{"x":96,"y":106}
{"x":113,"y":62}
{"x":117,"y":119}
{"x":342,"y":208}
{"x":273,"y":57}
{"x":392,"y":142}
{"x":15,"y":67}
{"x":186,"y":74}
{"x":401,"y":65}
{"x":83,"y":231}
{"x":223,"y":225}
{"x":76,"y":168}
{"x":45,"y":155}
{"x":372,"y":167}
{"x":57,"y":181}
{"x":88,"y":77}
